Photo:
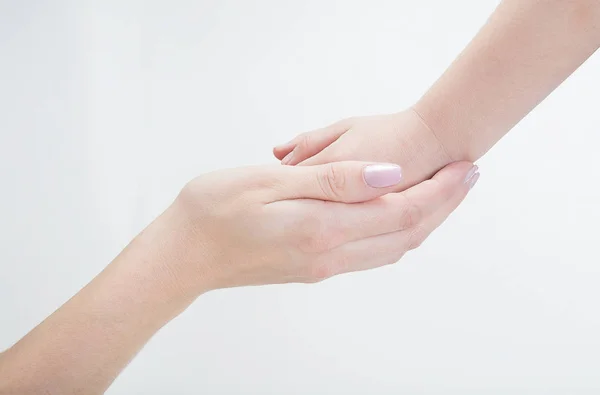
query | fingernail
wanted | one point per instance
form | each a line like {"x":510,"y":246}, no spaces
{"x":288,"y":158}
{"x":382,"y":175}
{"x":473,"y":180}
{"x":470,"y":173}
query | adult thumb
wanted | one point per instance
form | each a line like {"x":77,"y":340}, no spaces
{"x":346,"y":182}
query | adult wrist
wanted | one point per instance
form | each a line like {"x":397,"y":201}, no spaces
{"x":172,"y":248}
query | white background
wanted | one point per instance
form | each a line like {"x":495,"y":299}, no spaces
{"x":108,"y":107}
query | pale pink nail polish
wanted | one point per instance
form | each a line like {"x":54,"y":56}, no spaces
{"x":473,"y":180}
{"x":470,"y":173}
{"x":382,"y":175}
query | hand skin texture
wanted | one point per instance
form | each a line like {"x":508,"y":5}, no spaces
{"x":248,"y":226}
{"x":523,"y":52}
{"x":401,"y":138}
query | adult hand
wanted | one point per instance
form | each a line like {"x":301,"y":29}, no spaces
{"x":279,"y":224}
{"x":401,"y":138}
{"x":249,"y":226}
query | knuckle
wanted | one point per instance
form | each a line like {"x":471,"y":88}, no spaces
{"x":320,"y":272}
{"x":396,"y":258}
{"x":392,"y":259}
{"x":332,"y":181}
{"x":416,"y":237}
{"x":411,"y":214}
{"x":325,"y":269}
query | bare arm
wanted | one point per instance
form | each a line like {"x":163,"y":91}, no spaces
{"x":525,"y":50}
{"x":307,"y":234}
{"x":82,"y":347}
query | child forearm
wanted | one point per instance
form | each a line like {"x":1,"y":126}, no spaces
{"x":524,"y":51}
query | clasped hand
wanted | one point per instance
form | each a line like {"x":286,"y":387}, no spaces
{"x":279,"y":224}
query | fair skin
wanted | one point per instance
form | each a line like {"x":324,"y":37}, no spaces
{"x":526,"y":49}
{"x":523,"y":52}
{"x":231,"y":228}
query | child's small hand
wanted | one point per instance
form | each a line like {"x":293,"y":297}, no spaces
{"x":400,"y":138}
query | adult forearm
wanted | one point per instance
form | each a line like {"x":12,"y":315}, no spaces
{"x":84,"y":345}
{"x":232,"y":228}
{"x":524,"y":51}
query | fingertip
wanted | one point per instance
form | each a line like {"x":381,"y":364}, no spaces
{"x":472,"y":171}
{"x":382,"y":175}
{"x":456,"y":172}
{"x":281,"y":151}
{"x":471,"y":181}
{"x":277,"y":152}
{"x":448,"y":183}
{"x":465,"y":176}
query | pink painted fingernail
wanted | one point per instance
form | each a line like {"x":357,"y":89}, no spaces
{"x":471,"y":173}
{"x":473,"y":180}
{"x":382,"y":175}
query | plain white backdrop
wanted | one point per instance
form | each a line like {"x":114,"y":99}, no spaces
{"x":108,"y":107}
